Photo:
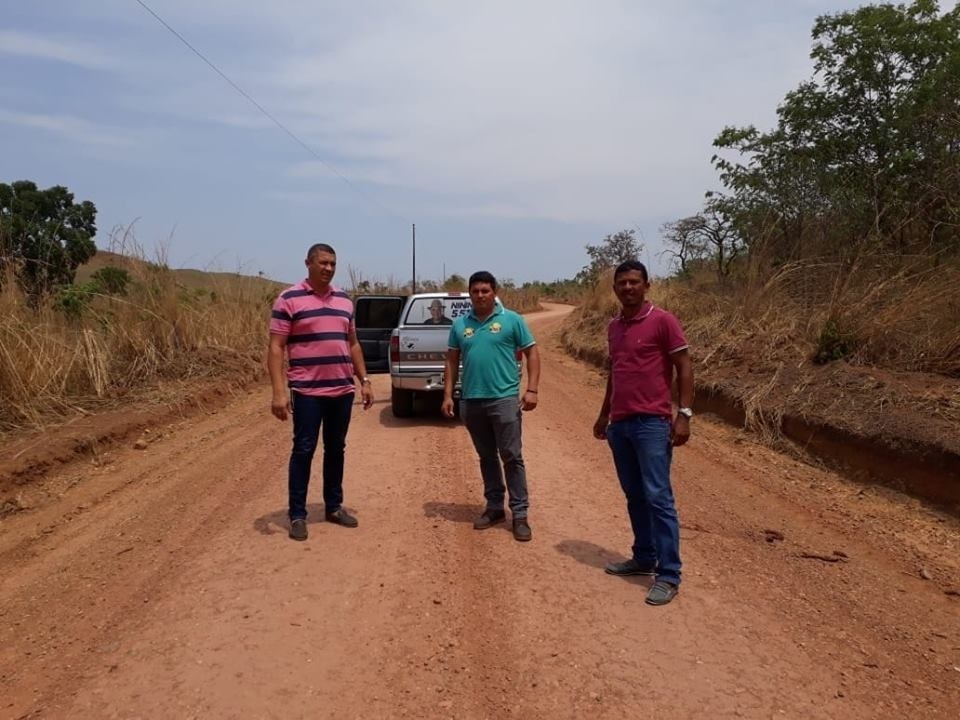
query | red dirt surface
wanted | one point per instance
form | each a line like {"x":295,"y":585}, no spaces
{"x":160,"y":583}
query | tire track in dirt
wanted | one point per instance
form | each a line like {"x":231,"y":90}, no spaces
{"x":97,"y":572}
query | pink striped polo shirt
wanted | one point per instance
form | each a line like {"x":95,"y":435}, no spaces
{"x":318,"y":345}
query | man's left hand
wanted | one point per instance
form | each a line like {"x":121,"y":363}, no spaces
{"x":366,"y":392}
{"x":680,"y":432}
{"x":529,"y":401}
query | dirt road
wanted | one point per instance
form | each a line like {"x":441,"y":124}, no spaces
{"x":160,"y":583}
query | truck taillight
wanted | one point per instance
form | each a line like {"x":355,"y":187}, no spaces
{"x":395,"y":349}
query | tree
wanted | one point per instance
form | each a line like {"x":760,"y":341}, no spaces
{"x":684,"y":243}
{"x":865,"y":154}
{"x":614,"y":250}
{"x":44,"y":235}
{"x":455,"y":282}
{"x":709,"y":235}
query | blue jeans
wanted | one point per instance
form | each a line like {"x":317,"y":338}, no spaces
{"x":496,"y":430}
{"x":309,"y":414}
{"x":642,"y":452}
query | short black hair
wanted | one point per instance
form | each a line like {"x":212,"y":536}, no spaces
{"x":629,"y":266}
{"x":482,"y":276}
{"x":319,"y":248}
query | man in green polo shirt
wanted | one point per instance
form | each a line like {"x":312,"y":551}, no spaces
{"x":488,"y":339}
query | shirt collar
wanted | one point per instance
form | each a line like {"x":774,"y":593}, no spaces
{"x":497,"y":310}
{"x":642,"y":315}
{"x":305,"y":285}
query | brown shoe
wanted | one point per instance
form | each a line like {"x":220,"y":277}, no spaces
{"x":298,"y":529}
{"x":342,"y":517}
{"x":489,"y":519}
{"x":521,"y":530}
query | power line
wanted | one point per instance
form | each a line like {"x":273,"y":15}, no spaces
{"x":293,"y":136}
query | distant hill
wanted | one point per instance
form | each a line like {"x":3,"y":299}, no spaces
{"x":189,"y":278}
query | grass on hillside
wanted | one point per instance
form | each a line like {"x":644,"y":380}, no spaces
{"x":186,"y":278}
{"x":762,"y":341}
{"x":171,"y":324}
{"x":519,"y":300}
{"x":819,"y":312}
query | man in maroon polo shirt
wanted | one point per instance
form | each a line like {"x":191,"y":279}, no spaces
{"x":312,"y":322}
{"x":636,"y":418}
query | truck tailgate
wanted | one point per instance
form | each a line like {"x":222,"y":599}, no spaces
{"x":421,"y":350}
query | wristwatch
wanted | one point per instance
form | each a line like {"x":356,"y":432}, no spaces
{"x":364,"y":380}
{"x":686,"y":412}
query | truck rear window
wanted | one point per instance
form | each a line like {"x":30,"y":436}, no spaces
{"x":378,"y":312}
{"x":437,"y":311}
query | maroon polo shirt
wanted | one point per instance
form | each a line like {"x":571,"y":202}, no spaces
{"x":640,"y":364}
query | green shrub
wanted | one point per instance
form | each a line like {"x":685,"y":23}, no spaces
{"x":834,"y":343}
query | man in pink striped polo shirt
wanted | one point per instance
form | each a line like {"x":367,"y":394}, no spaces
{"x":313,"y":323}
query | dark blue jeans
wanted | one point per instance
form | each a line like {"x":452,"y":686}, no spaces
{"x":309,"y":414}
{"x":642,"y":452}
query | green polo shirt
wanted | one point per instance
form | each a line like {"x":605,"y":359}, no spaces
{"x":488,"y":351}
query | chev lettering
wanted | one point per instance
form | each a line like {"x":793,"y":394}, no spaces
{"x":414,"y":356}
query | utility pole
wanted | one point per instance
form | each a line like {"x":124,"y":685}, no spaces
{"x":413,"y":285}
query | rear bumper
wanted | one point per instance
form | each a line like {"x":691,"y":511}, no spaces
{"x":421,"y":382}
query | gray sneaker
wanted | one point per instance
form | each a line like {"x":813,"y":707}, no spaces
{"x":662,"y":592}
{"x":298,"y":529}
{"x":630,"y":567}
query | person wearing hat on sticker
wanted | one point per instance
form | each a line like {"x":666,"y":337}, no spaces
{"x":436,"y":314}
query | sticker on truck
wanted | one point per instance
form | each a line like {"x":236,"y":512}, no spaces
{"x":437,"y":310}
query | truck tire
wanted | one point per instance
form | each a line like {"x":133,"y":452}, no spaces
{"x":401,"y":402}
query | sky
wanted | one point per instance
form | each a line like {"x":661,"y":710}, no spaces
{"x":511,"y":133}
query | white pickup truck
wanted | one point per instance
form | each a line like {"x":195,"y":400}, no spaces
{"x":408,"y":336}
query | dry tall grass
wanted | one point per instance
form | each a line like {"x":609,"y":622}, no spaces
{"x":758,"y":342}
{"x":520,"y":300}
{"x":52,"y":363}
{"x":171,"y":324}
{"x":584,"y":332}
{"x":902,"y":319}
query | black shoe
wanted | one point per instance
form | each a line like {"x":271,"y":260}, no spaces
{"x":342,"y":517}
{"x":661,"y":593}
{"x":298,"y":529}
{"x":489,"y":519}
{"x":521,"y":530}
{"x":630,"y":567}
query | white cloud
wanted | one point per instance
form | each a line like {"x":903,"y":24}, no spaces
{"x":561,"y":110}
{"x":57,"y":48}
{"x":244,"y":121}
{"x":542,"y":105}
{"x":69,"y":127}
{"x":590,"y":115}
